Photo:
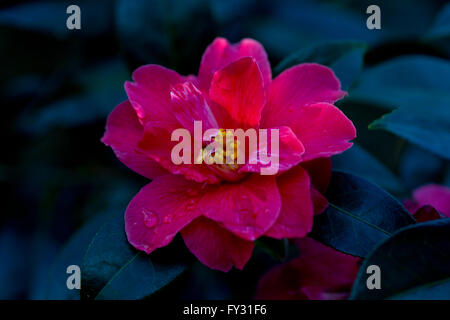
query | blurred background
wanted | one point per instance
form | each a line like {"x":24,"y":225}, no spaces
{"x":59,"y":85}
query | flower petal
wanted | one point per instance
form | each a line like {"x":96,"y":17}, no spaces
{"x":123,"y":131}
{"x":156,"y":143}
{"x":220,"y":53}
{"x":323,"y":129}
{"x":248,"y":208}
{"x":160,"y":209}
{"x":290,"y":151}
{"x":319,"y":170}
{"x":296,"y":216}
{"x":297,"y":87}
{"x":216,"y":247}
{"x":427,"y":213}
{"x":319,"y":273}
{"x":190,"y":105}
{"x":320,"y":203}
{"x":149,"y":94}
{"x":237,"y":93}
{"x":187,"y":104}
{"x":434,"y":195}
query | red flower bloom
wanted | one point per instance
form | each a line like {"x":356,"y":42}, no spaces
{"x":429,"y":202}
{"x":320,"y":273}
{"x":221,"y":210}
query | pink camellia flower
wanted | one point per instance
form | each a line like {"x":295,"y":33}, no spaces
{"x":320,"y":273}
{"x":429,"y":202}
{"x":218,"y":209}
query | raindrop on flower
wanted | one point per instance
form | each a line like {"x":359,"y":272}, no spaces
{"x":191,"y":204}
{"x":168,"y":218}
{"x":150,"y":218}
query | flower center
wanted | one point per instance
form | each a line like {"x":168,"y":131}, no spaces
{"x":221,"y":155}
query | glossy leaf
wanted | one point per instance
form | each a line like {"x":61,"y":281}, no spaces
{"x":423,"y":122}
{"x":359,"y":215}
{"x":414,"y":264}
{"x":441,"y":25}
{"x":358,"y":161}
{"x":113,"y":269}
{"x":14,"y":263}
{"x":418,"y":167}
{"x":297,"y":24}
{"x":404,"y":80}
{"x":72,"y":254}
{"x":152,"y":36}
{"x":344,"y":57}
{"x":101,"y":91}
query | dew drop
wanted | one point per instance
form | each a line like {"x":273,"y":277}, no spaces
{"x":150,"y":218}
{"x":168,"y":219}
{"x":191,"y":204}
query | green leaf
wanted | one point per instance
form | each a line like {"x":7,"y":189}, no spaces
{"x":50,"y":17}
{"x":288,"y":27}
{"x":101,"y":90}
{"x":113,"y":269}
{"x":441,"y":25}
{"x":418,"y":167}
{"x":404,"y":80}
{"x":72,"y":254}
{"x":359,"y":215}
{"x":358,"y":161}
{"x":344,"y":57}
{"x":439,"y":34}
{"x":414,"y":264}
{"x":423,"y":122}
{"x":158,"y":31}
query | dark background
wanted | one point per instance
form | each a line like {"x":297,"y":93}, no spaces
{"x":58,"y":86}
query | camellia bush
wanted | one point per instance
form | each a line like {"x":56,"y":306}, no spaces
{"x":359,"y":121}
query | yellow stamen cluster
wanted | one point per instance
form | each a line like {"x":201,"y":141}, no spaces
{"x":216,"y":152}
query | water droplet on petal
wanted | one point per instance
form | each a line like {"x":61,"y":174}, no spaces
{"x":150,"y":218}
{"x":168,"y":219}
{"x":191,"y":204}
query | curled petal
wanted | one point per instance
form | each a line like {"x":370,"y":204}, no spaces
{"x":237,"y":93}
{"x":149,"y":94}
{"x":220,"y":53}
{"x":189,"y":105}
